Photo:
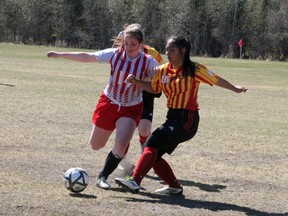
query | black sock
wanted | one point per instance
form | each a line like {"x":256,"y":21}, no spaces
{"x":111,"y":164}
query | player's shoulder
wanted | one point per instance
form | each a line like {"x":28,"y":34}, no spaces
{"x":150,"y":50}
{"x":110,"y":49}
{"x":153,"y":52}
{"x":164,"y":66}
{"x":148,"y":56}
{"x":200,"y":66}
{"x":203,"y":70}
{"x":107,"y":51}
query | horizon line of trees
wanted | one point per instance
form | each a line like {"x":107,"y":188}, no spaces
{"x":214,"y":27}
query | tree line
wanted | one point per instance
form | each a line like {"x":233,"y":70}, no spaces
{"x":214,"y":27}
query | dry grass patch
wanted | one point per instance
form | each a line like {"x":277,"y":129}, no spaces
{"x":236,"y":164}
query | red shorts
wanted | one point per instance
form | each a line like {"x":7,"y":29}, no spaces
{"x":106,"y":113}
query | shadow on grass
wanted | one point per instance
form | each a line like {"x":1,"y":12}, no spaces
{"x":204,"y":187}
{"x":199,"y":204}
{"x":85,"y":196}
{"x":4,"y":84}
{"x":201,"y":186}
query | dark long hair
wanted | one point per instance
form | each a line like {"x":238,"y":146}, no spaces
{"x":189,"y":67}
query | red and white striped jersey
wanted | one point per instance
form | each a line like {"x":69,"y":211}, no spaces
{"x":142,"y":67}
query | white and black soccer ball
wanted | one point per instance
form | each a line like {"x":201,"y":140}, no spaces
{"x":76,"y":179}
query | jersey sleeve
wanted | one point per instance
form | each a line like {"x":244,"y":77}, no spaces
{"x":152,"y":67}
{"x":105,"y":55}
{"x":155,"y":54}
{"x":205,"y":75}
{"x":156,"y":81}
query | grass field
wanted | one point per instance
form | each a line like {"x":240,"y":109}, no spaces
{"x":237,"y":164}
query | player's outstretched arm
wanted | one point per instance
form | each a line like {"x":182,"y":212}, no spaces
{"x":227,"y":85}
{"x":75,"y":56}
{"x":145,"y":85}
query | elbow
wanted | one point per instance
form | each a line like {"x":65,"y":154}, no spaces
{"x":151,"y":90}
{"x":87,"y":57}
{"x":156,"y":92}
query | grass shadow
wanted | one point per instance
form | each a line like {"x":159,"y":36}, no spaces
{"x":204,"y":187}
{"x":5,"y":84}
{"x":85,"y":196}
{"x":200,"y":204}
{"x":201,"y":186}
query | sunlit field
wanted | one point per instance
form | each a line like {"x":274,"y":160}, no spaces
{"x":236,"y":164}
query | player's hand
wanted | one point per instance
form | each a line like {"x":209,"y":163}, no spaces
{"x":240,"y":89}
{"x":130,"y":79}
{"x":52,"y":54}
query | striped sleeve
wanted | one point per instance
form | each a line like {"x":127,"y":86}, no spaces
{"x":156,"y":81}
{"x":155,"y":54}
{"x":205,"y":75}
{"x":105,"y":55}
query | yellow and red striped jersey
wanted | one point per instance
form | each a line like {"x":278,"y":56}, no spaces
{"x":182,"y":92}
{"x":154,"y":53}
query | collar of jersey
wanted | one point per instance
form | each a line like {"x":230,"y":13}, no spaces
{"x":174,"y":72}
{"x":126,"y":57}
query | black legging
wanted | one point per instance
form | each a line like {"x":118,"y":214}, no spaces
{"x":181,"y":125}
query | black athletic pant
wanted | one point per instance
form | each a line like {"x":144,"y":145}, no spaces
{"x":181,"y":125}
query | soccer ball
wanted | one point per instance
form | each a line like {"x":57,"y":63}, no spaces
{"x":76,"y":179}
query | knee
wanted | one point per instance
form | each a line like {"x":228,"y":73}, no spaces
{"x":95,"y":146}
{"x":144,"y":132}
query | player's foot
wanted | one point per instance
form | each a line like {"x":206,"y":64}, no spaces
{"x":128,"y":183}
{"x":170,"y":191}
{"x":101,"y":182}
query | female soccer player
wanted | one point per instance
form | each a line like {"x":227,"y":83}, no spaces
{"x":145,"y":124}
{"x":179,"y":79}
{"x":120,"y":105}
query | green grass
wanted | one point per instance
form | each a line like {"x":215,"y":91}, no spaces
{"x":235,"y":165}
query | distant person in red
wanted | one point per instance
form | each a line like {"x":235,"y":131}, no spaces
{"x":179,"y":79}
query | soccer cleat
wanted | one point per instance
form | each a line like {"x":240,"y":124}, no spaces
{"x":170,"y":191}
{"x":128,"y":183}
{"x":101,"y":182}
